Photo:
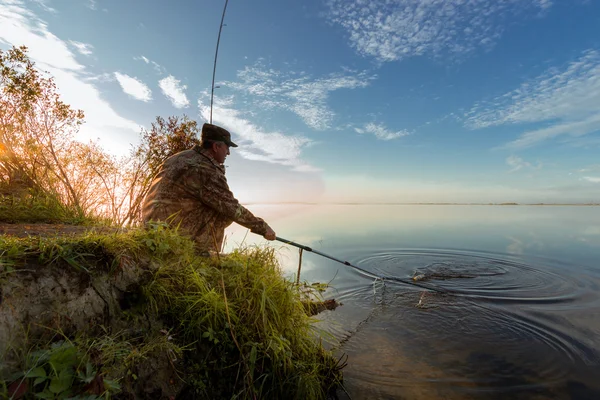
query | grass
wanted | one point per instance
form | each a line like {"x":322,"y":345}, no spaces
{"x":227,"y":327}
{"x":40,"y":208}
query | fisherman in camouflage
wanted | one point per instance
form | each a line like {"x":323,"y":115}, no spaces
{"x":190,"y":190}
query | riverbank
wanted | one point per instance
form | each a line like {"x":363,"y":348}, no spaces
{"x":138,"y":314}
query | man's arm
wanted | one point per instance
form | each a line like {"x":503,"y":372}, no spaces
{"x":212,"y":190}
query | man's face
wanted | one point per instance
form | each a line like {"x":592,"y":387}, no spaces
{"x":221,"y":152}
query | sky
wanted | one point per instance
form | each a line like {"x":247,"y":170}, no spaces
{"x":371,"y":101}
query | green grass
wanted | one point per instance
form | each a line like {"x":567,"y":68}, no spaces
{"x":237,"y":328}
{"x":40,"y":208}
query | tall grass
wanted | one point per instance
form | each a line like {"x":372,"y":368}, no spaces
{"x":33,"y":207}
{"x":240,"y":328}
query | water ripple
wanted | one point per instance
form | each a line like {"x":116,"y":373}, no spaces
{"x":507,"y":326}
{"x":483,"y":275}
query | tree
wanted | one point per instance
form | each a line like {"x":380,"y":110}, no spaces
{"x":20,"y":87}
{"x":165,"y":138}
{"x":38,"y":151}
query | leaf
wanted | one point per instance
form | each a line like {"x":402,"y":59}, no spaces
{"x":253,"y":355}
{"x":46,"y":394}
{"x":40,"y":356}
{"x":62,"y":382}
{"x":112,"y":385}
{"x":36,"y":372}
{"x":89,"y":374}
{"x":63,"y":357}
{"x":39,"y":380}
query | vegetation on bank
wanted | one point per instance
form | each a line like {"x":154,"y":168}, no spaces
{"x":224,"y":327}
{"x":31,"y":207}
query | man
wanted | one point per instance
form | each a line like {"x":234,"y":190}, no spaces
{"x":190,"y":190}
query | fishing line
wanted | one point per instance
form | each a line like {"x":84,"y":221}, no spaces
{"x":212,"y":86}
{"x":365,"y":272}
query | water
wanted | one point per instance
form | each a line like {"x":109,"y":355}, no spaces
{"x":521,"y":321}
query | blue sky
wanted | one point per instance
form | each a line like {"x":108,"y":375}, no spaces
{"x":344,"y":100}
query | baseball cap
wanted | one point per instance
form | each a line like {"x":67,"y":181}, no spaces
{"x":216,"y":134}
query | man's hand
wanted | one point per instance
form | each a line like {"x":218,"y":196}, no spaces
{"x":270,"y":235}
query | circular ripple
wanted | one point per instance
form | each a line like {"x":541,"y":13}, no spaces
{"x":507,"y":326}
{"x":479,"y":275}
{"x":459,"y":346}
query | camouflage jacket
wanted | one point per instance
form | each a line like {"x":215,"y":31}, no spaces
{"x":191,"y":191}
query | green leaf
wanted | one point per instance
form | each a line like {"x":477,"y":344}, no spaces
{"x":39,"y":380}
{"x":46,"y":394}
{"x":62,"y":382}
{"x":89,"y":370}
{"x":89,"y":374}
{"x":112,"y":386}
{"x":253,"y":355}
{"x":40,"y":356}
{"x":36,"y":372}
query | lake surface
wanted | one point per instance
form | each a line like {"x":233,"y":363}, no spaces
{"x":519,"y":317}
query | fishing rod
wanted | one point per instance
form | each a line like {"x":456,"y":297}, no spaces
{"x":212,"y":87}
{"x":365,"y":272}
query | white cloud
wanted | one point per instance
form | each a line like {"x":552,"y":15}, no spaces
{"x":172,"y":88}
{"x":565,"y":100}
{"x":590,"y":168}
{"x":391,"y":30}
{"x":44,"y":5}
{"x":157,"y":67}
{"x":297,"y":92}
{"x":91,"y":4}
{"x":381,"y":132}
{"x":257,"y":144}
{"x":83,"y":48}
{"x":19,"y":26}
{"x":593,"y":179}
{"x":134,"y":87}
{"x":144,"y":59}
{"x":517,"y":163}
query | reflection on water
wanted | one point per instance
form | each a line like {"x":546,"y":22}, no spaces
{"x":521,"y":318}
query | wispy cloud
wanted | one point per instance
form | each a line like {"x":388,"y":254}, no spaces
{"x":381,"y":132}
{"x":516,"y":163}
{"x":142,"y":58}
{"x":390,"y":30}
{"x":172,"y":88}
{"x":565,"y":100}
{"x":134,"y":87}
{"x":157,"y":67}
{"x":593,"y":179}
{"x":590,"y":168}
{"x":297,"y":91}
{"x":92,"y":5}
{"x":256,"y":143}
{"x":20,"y":26}
{"x":44,"y":5}
{"x":83,"y":48}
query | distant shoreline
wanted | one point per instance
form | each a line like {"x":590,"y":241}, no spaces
{"x":422,"y":204}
